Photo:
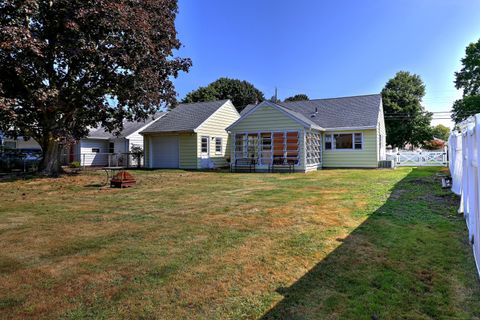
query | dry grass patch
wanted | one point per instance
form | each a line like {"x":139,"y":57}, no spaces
{"x":213,"y":245}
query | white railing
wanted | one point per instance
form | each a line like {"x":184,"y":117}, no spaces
{"x":465,"y":171}
{"x":97,"y":159}
{"x":418,"y":158}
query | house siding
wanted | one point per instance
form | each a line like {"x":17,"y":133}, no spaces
{"x":135,"y":139}
{"x":188,"y":151}
{"x":146,"y":150}
{"x":215,"y":127}
{"x":365,"y":158}
{"x":267,"y":118}
{"x":88,"y":158}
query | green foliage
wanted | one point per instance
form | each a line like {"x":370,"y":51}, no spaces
{"x":406,"y":120}
{"x":74,"y":164}
{"x":297,"y":97}
{"x":466,"y":107}
{"x":66,"y":66}
{"x":468,"y":78}
{"x":137,"y":154}
{"x":241,"y":93}
{"x":441,"y":132}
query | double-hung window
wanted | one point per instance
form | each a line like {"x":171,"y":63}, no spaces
{"x":344,"y":141}
{"x":218,"y":145}
{"x":204,"y":147}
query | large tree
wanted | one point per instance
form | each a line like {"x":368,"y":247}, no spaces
{"x":441,"y":132}
{"x":406,"y":120}
{"x":468,"y":79}
{"x":297,"y":97}
{"x":66,"y":65}
{"x":241,"y":93}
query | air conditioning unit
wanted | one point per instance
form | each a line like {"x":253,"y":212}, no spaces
{"x":389,"y":164}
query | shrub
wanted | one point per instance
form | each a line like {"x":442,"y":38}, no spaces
{"x":74,"y":164}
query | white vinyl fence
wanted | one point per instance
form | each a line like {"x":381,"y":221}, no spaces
{"x":465,"y":171}
{"x":404,"y":158}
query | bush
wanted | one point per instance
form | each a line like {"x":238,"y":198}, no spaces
{"x":137,"y":154}
{"x":74,"y":164}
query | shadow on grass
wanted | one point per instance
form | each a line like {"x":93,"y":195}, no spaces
{"x":409,"y":260}
{"x":12,"y":177}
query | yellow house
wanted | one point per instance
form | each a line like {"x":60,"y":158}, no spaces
{"x":309,"y":135}
{"x":191,"y":136}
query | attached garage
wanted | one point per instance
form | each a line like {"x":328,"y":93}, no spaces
{"x":191,"y":136}
{"x":165,"y":152}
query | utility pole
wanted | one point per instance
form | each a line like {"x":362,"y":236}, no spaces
{"x":276,"y":98}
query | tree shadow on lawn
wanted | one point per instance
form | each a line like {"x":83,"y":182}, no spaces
{"x":410,"y":259}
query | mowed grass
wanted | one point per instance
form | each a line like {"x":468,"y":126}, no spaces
{"x":334,"y":244}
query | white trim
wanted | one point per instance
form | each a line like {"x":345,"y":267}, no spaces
{"x":278,"y":108}
{"x":210,"y":116}
{"x":208,"y":145}
{"x":334,"y":146}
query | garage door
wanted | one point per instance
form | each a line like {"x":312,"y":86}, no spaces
{"x":165,"y":152}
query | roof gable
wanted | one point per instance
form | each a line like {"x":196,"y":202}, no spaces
{"x":186,"y":117}
{"x":299,"y":118}
{"x":344,"y":112}
{"x":129,"y":127}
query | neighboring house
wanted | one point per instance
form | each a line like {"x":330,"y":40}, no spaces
{"x":102,"y":148}
{"x":338,"y":132}
{"x":191,"y":136}
{"x":20,"y":143}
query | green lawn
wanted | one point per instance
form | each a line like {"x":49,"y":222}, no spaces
{"x":334,"y":244}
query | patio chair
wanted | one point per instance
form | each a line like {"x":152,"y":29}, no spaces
{"x":244,"y":164}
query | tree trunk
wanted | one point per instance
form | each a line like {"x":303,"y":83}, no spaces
{"x":50,"y":164}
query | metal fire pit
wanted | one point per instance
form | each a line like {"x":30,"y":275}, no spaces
{"x":123,"y":179}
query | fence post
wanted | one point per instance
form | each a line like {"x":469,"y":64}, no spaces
{"x":83,"y":156}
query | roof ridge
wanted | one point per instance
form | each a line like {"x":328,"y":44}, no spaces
{"x":198,"y":102}
{"x":344,"y":97}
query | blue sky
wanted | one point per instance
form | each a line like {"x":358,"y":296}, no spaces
{"x":327,"y":48}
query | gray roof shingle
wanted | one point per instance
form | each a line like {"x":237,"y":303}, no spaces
{"x":356,"y":111}
{"x":129,"y":127}
{"x":185,"y":117}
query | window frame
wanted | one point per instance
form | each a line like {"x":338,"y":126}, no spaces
{"x":259,"y":150}
{"x":334,"y":144}
{"x":217,"y":139}
{"x":201,"y":145}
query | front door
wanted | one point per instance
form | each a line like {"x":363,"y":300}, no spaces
{"x":205,"y":152}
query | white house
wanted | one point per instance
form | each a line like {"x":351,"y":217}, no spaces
{"x":101,"y":148}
